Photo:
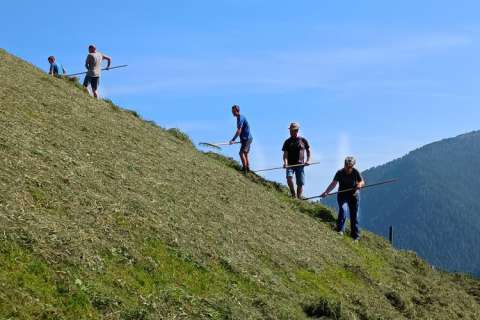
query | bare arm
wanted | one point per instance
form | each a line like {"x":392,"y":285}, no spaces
{"x":237,"y":134}
{"x":285,"y":158}
{"x":109,"y":61}
{"x":361,"y":184}
{"x":309,"y":155}
{"x":332,"y":186}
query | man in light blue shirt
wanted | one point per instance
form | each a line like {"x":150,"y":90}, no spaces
{"x":243,"y":131}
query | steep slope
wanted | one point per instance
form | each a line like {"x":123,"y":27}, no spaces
{"x":435,"y":207}
{"x":106,"y":216}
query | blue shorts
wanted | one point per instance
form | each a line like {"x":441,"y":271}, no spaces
{"x":299,"y":174}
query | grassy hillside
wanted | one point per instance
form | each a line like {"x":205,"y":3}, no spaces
{"x":106,"y":216}
{"x":435,"y":206}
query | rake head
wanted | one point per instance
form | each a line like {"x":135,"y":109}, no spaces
{"x":209,"y":145}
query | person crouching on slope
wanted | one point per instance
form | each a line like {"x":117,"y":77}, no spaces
{"x":243,"y":131}
{"x":55,"y":70}
{"x":93,"y":63}
{"x":294,"y":155}
{"x":348,"y":178}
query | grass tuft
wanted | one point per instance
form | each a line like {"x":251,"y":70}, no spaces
{"x":112,"y":105}
{"x":177,"y":133}
{"x":324,"y":308}
{"x":396,"y":300}
{"x":133,"y":113}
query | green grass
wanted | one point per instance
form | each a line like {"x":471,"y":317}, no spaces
{"x":106,"y":216}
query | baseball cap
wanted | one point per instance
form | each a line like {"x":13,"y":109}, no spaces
{"x":350,"y":161}
{"x":294,"y":126}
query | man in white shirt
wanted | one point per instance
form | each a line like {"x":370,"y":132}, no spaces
{"x":93,"y":63}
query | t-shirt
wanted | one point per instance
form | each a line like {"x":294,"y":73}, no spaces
{"x":295,"y":148}
{"x":243,"y":123}
{"x":348,"y":181}
{"x":55,"y":69}
{"x":94,"y":64}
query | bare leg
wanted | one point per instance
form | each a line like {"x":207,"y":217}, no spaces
{"x":291,"y":186}
{"x":243,"y":157}
{"x":247,"y":162}
{"x":299,"y":192}
{"x":95,"y":94}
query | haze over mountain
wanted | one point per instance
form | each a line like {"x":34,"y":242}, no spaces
{"x":435,"y":206}
{"x":106,"y":216}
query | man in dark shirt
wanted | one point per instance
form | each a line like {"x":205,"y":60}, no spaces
{"x":294,"y":149}
{"x":348,"y":178}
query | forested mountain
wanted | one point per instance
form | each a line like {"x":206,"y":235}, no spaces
{"x":435,"y":206}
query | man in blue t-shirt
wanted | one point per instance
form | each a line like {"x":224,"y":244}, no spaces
{"x":243,"y":131}
{"x":55,"y":70}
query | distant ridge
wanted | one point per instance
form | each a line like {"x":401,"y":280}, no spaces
{"x":436,"y":206}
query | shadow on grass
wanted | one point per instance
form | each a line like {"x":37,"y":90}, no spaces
{"x":323,"y":309}
{"x":317,"y":211}
{"x":470,"y":283}
{"x":229,"y":162}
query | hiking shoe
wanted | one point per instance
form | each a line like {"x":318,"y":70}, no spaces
{"x":340,"y":233}
{"x":356,"y":240}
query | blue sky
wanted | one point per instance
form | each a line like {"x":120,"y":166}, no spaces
{"x":375,"y":79}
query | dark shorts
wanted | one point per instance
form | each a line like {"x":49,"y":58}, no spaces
{"x":245,"y":145}
{"x":93,"y":81}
